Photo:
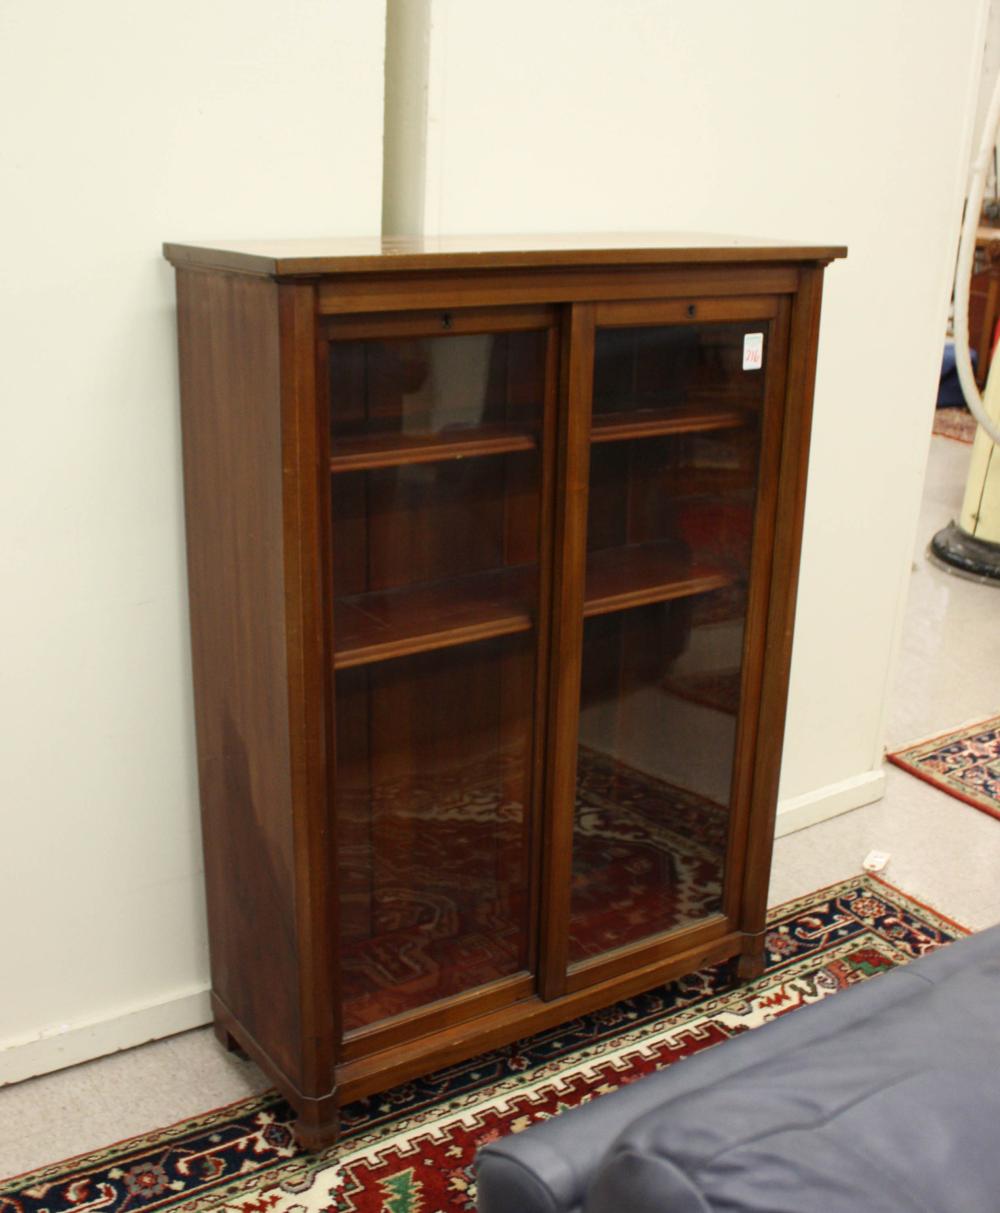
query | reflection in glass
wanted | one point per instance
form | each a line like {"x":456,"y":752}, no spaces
{"x":435,"y":511}
{"x":435,"y":385}
{"x":657,"y":731}
{"x":664,"y":367}
{"x":669,"y":534}
{"x":432,"y":785}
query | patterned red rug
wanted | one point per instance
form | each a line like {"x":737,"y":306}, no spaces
{"x":957,"y":423}
{"x":965,"y":763}
{"x":411,"y":1150}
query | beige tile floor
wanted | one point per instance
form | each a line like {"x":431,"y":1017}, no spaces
{"x":943,"y":852}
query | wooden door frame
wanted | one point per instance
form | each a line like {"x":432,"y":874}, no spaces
{"x":404,"y":1030}
{"x":557,"y":976}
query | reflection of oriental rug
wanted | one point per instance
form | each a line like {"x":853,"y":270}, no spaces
{"x":647,"y":856}
{"x":719,"y":690}
{"x":965,"y":763}
{"x":410,"y":1150}
{"x":956,"y":422}
{"x":432,"y":885}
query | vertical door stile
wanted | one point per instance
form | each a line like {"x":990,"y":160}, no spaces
{"x":546,"y":555}
{"x":803,"y":338}
{"x":569,"y":564}
{"x":331,"y":903}
{"x":757,"y":604}
{"x":306,"y":484}
{"x":668,"y":492}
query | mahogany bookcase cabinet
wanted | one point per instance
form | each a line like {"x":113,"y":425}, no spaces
{"x":492,"y":553}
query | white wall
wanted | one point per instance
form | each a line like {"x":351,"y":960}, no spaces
{"x":839,"y":123}
{"x":125,"y":124}
{"x":988,"y":78}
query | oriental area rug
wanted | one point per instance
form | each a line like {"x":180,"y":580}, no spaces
{"x":965,"y":763}
{"x":411,"y":1149}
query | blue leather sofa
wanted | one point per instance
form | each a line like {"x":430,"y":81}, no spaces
{"x":883,"y":1098}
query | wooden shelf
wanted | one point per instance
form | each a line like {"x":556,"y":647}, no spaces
{"x":368,"y":451}
{"x":651,"y":422}
{"x":395,"y":623}
{"x":618,"y":578}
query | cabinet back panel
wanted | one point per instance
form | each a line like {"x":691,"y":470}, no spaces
{"x":662,"y":366}
{"x":693,"y":489}
{"x":435,"y":384}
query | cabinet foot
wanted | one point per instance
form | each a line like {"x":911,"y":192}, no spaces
{"x":317,"y":1126}
{"x":751,"y":962}
{"x":749,"y":968}
{"x":226,"y":1039}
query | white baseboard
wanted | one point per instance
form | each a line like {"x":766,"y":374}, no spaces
{"x":68,"y":1044}
{"x":797,"y":812}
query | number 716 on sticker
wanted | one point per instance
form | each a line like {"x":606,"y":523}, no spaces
{"x":753,"y":351}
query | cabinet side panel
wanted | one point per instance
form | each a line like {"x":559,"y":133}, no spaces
{"x":231,"y":413}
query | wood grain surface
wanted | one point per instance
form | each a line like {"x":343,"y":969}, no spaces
{"x":389,"y":582}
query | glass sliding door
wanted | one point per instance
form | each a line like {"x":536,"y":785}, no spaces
{"x":673,"y":465}
{"x":436,"y":484}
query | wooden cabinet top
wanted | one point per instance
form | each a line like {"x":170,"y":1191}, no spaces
{"x":391,"y":254}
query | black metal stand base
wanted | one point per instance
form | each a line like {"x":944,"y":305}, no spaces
{"x":958,"y":552}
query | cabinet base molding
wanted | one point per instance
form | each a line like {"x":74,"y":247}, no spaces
{"x":316,"y":1125}
{"x":316,"y":1121}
